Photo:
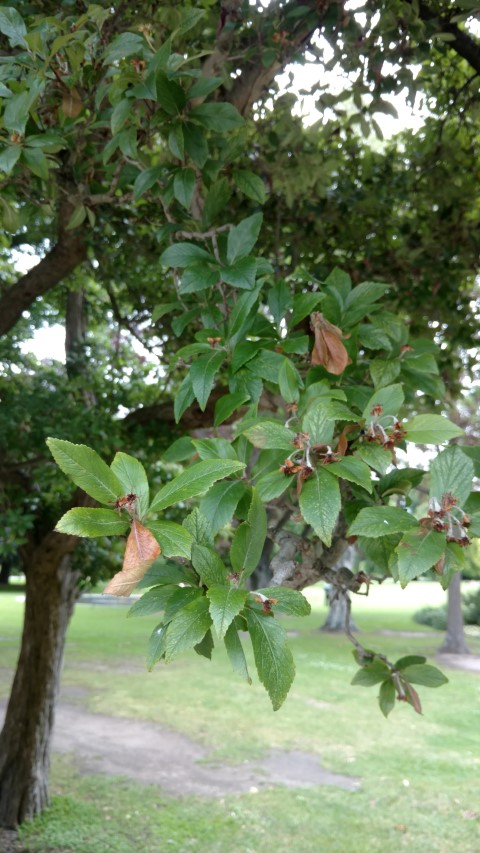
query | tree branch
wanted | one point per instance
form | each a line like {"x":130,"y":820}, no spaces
{"x":462,"y":43}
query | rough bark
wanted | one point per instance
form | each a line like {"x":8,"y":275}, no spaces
{"x":454,"y":642}
{"x":25,"y":738}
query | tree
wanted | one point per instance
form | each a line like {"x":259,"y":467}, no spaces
{"x":118,"y":131}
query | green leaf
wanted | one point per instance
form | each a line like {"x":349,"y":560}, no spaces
{"x":242,"y":313}
{"x":220,"y":117}
{"x":290,"y":382}
{"x":235,"y":652}
{"x":409,"y":660}
{"x":241,"y":273}
{"x":386,"y":698}
{"x":379,"y":551}
{"x":220,"y":503}
{"x":209,"y":566}
{"x":36,"y":162}
{"x":199,"y":276}
{"x":431,"y":429}
{"x":451,"y":471}
{"x":199,"y":527}
{"x":270,"y":435}
{"x":163,"y":574}
{"x":187,"y":628}
{"x":205,"y":647}
{"x":170,"y":95}
{"x":173,"y":539}
{"x":77,"y":218}
{"x":9,"y":157}
{"x":183,"y":254}
{"x":154,"y":600}
{"x":249,"y":539}
{"x":273,"y":658}
{"x":156,"y":646}
{"x":384,"y":372}
{"x":242,"y":237}
{"x":225,"y":406}
{"x":183,"y":398}
{"x":376,"y":457}
{"x":353,"y":469}
{"x":195,"y":480}
{"x":216,"y":201}
{"x":204,"y":86}
{"x":288,"y":600}
{"x":202,"y":375}
{"x":9,"y":215}
{"x":250,"y":185}
{"x":122,"y":46}
{"x":320,"y":503}
{"x":214,"y":448}
{"x":225,"y":603}
{"x":184,"y":186}
{"x":180,"y":598}
{"x":131,"y":474}
{"x":424,"y":674}
{"x":303,"y":305}
{"x":318,"y":425}
{"x":371,"y":673}
{"x":86,"y":469}
{"x":272,"y":485}
{"x":146,"y":180}
{"x":418,"y":551}
{"x":375,"y":521}
{"x":13,"y":26}
{"x":82,"y":521}
{"x":389,"y":398}
{"x":361,"y":299}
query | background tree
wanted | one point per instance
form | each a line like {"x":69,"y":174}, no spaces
{"x":119,"y":140}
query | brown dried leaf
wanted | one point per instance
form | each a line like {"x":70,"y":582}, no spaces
{"x":141,"y":551}
{"x":72,"y":104}
{"x":412,"y":696}
{"x":329,"y":350}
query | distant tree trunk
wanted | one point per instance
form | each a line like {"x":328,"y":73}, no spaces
{"x":454,"y":643}
{"x":337,"y":601}
{"x":25,"y":738}
{"x":5,"y":570}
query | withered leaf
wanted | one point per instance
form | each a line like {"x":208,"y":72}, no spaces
{"x":141,"y":550}
{"x":329,"y":350}
{"x":72,"y":104}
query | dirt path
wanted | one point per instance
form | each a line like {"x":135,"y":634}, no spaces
{"x":155,"y":755}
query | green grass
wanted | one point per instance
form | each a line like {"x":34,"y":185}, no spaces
{"x":419,"y":775}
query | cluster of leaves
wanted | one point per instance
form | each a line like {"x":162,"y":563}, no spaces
{"x":198,"y":592}
{"x":396,"y":679}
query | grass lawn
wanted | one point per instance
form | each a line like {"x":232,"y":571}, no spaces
{"x":419,"y":774}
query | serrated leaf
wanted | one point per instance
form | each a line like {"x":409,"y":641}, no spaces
{"x":214,"y":448}
{"x":146,"y":180}
{"x":9,"y":157}
{"x":179,"y":450}
{"x":375,"y":456}
{"x":241,"y":273}
{"x":271,"y":435}
{"x":409,"y":660}
{"x":83,"y":521}
{"x":183,"y":398}
{"x":242,"y":237}
{"x":431,"y":429}
{"x":174,"y":540}
{"x":424,"y":674}
{"x":250,"y":184}
{"x":208,"y":565}
{"x":187,"y":628}
{"x":131,"y":474}
{"x":194,"y":481}
{"x":13,"y":26}
{"x":86,"y":469}
{"x":249,"y":539}
{"x":417,"y":552}
{"x":353,"y":469}
{"x":122,"y":46}
{"x":272,"y":485}
{"x":287,"y":600}
{"x":202,"y":375}
{"x":225,"y":406}
{"x":273,"y":658}
{"x":389,"y":398}
{"x":320,"y":503}
{"x":198,"y":276}
{"x":451,"y":471}
{"x":183,"y":254}
{"x":303,"y":305}
{"x":220,"y":503}
{"x":371,"y":673}
{"x":386,"y":698}
{"x":220,"y":117}
{"x":235,"y":652}
{"x":375,"y":521}
{"x":199,"y":527}
{"x":77,"y":218}
{"x":226,"y":602}
{"x":289,"y":382}
{"x":156,"y":646}
{"x":184,"y":186}
{"x":154,"y":600}
{"x":163,"y":574}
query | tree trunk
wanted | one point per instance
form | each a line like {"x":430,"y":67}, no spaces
{"x":25,"y":738}
{"x":5,"y":570}
{"x":454,"y":642}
